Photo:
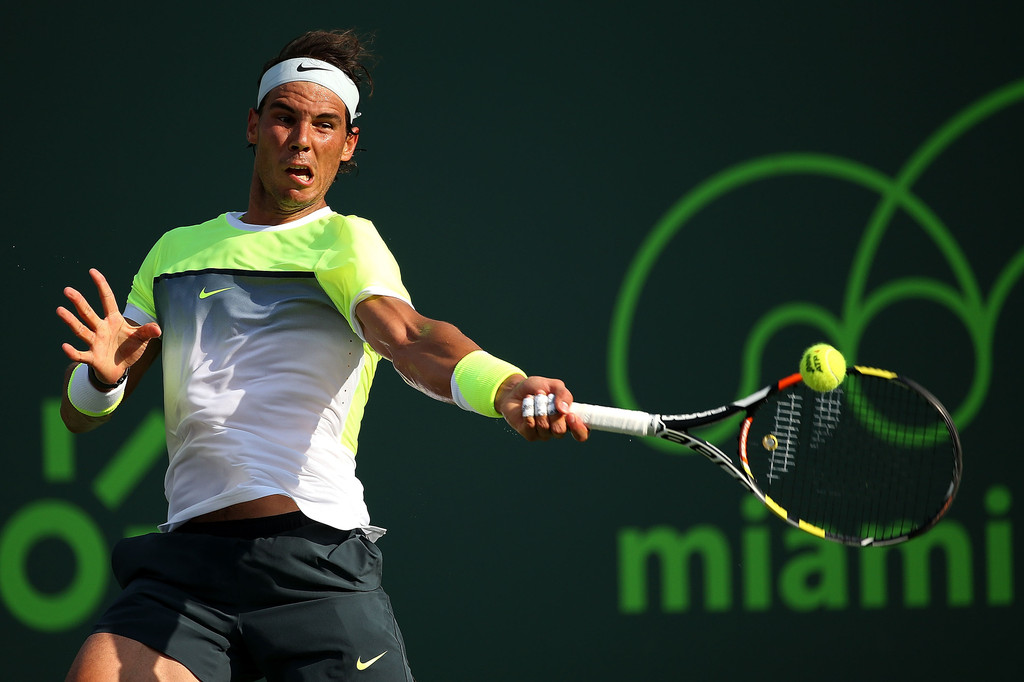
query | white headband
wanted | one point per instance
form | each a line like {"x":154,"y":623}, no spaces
{"x":313,"y":71}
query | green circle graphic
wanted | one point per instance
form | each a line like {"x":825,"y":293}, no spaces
{"x":61,"y":520}
{"x":846,"y":328}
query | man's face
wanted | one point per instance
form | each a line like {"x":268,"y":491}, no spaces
{"x":300,"y":140}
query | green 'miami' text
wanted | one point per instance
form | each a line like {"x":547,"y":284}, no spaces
{"x":663,"y":569}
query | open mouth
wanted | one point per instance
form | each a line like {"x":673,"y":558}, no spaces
{"x":301,"y":174}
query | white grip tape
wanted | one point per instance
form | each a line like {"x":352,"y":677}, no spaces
{"x":616,"y":420}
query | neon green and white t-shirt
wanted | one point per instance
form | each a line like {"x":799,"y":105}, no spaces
{"x":266,"y":372}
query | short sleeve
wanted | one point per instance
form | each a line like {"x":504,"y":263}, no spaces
{"x":357,"y":266}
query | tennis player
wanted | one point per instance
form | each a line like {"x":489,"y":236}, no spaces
{"x":269,"y":325}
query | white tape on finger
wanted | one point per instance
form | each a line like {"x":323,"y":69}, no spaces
{"x":539,"y":405}
{"x":541,"y":409}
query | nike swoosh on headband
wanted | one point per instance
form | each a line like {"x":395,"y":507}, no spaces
{"x":314,"y":71}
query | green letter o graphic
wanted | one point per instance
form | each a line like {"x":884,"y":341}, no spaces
{"x":68,"y":523}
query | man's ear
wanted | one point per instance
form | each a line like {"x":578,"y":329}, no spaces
{"x":350,"y":144}
{"x":251,"y":126}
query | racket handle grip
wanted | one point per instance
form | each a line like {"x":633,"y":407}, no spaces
{"x":616,"y":420}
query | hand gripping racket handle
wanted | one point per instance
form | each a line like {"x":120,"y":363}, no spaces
{"x":617,"y":420}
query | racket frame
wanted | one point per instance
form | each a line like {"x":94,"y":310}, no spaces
{"x":675,"y":428}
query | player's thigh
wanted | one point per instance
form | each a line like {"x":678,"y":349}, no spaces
{"x":105,"y":657}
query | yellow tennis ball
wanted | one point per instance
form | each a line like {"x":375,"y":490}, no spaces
{"x":822,"y":367}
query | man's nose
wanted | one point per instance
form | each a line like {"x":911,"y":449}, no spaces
{"x":300,"y":137}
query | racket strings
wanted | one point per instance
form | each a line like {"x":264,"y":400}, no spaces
{"x":911,"y":473}
{"x":828,"y":410}
{"x":868,"y":460}
{"x":787,"y":428}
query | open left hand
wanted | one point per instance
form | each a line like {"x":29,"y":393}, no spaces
{"x":114,"y":344}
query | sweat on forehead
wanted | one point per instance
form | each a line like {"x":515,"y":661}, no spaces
{"x":312,"y":71}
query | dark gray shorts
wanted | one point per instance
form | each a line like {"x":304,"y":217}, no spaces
{"x":284,"y":598}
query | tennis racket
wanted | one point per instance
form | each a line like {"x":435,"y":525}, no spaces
{"x":876,"y":461}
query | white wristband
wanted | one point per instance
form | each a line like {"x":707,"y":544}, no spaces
{"x":88,"y":399}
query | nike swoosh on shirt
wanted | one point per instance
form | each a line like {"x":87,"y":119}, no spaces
{"x":363,"y":666}
{"x":207,"y":294}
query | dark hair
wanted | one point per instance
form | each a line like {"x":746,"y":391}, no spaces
{"x":344,"y":50}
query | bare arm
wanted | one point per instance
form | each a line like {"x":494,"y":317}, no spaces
{"x":425,"y":352}
{"x":113,"y":345}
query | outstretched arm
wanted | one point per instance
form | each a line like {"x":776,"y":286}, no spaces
{"x":113,"y":345}
{"x":425,"y":353}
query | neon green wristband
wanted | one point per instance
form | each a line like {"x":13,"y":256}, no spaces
{"x":476,"y":380}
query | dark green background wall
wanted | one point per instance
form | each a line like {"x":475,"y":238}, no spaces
{"x":518,"y":158}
